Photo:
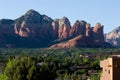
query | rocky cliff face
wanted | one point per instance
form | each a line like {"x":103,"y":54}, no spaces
{"x":64,"y":28}
{"x":55,"y":27}
{"x":61,"y":28}
{"x":98,"y":34}
{"x":88,"y":37}
{"x":78,"y":28}
{"x":88,"y":30}
{"x":36,"y":30}
{"x":113,"y":37}
{"x":33,"y":24}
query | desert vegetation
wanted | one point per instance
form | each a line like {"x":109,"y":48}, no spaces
{"x":55,"y":64}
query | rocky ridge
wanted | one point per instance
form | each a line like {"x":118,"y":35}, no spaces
{"x":113,"y":37}
{"x":88,"y":37}
{"x":36,"y":30}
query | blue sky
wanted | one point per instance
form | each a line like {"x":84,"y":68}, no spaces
{"x":106,"y":12}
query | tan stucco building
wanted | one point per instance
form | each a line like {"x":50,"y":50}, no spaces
{"x":111,"y":68}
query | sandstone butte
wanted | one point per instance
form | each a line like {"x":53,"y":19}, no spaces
{"x":36,"y":30}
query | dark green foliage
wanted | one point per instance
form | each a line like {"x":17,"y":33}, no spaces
{"x":24,"y":68}
{"x":80,"y":72}
{"x":46,"y":72}
{"x":20,"y":69}
{"x":43,"y":64}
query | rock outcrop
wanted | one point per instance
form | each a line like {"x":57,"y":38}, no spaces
{"x":55,"y":26}
{"x":33,"y":24}
{"x":98,"y":35}
{"x":88,"y":30}
{"x":88,"y":37}
{"x":36,"y":30}
{"x":78,"y":28}
{"x":64,"y":28}
{"x":113,"y":37}
{"x":75,"y":42}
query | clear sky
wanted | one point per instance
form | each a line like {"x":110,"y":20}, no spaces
{"x":107,"y":12}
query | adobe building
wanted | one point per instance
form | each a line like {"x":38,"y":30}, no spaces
{"x":111,"y":68}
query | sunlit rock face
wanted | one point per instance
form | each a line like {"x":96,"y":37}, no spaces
{"x":83,"y":35}
{"x":64,"y":28}
{"x":88,"y":30}
{"x":33,"y":24}
{"x":34,"y":27}
{"x":78,"y":28}
{"x":55,"y":26}
{"x":75,"y":42}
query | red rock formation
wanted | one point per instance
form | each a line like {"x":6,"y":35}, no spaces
{"x":78,"y":28}
{"x":24,"y":31}
{"x":113,"y":37}
{"x":98,"y":35}
{"x":64,"y":28}
{"x":87,"y":38}
{"x":75,"y":42}
{"x":55,"y":25}
{"x":34,"y":29}
{"x":88,"y":30}
{"x":33,"y":25}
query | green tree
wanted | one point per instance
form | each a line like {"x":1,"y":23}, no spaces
{"x":3,"y":77}
{"x":46,"y":71}
{"x":20,"y":69}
